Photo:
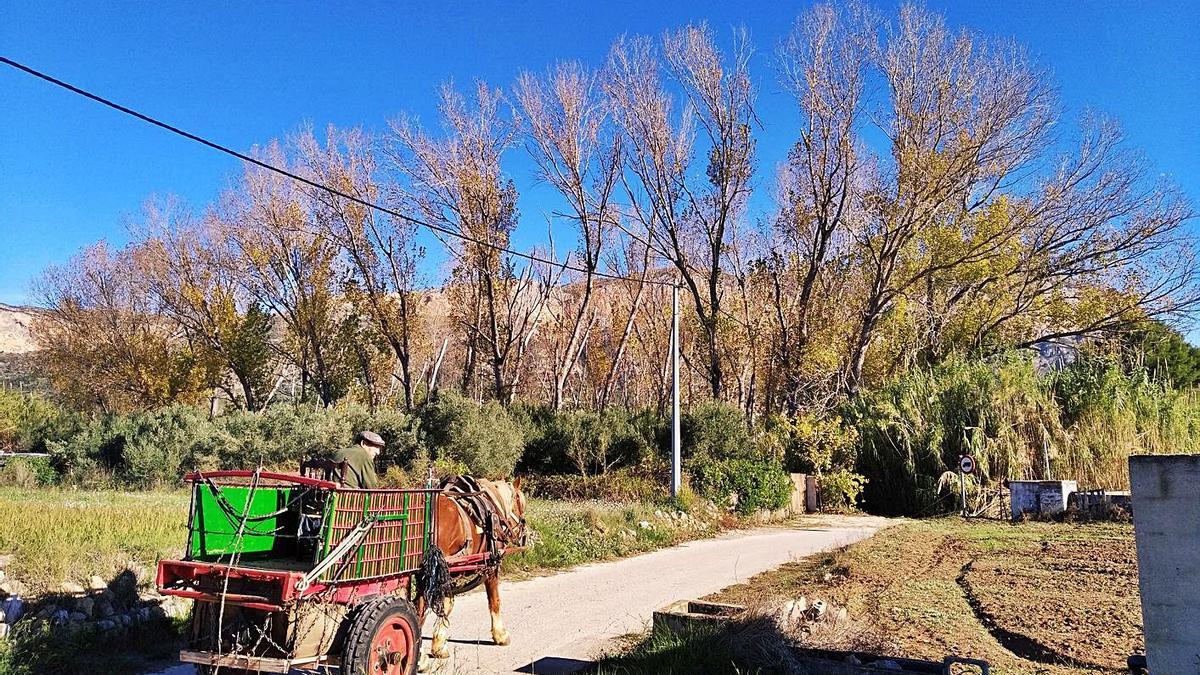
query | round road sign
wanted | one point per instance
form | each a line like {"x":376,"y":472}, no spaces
{"x":966,"y":464}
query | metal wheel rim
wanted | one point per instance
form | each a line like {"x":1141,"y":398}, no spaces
{"x":394,"y":636}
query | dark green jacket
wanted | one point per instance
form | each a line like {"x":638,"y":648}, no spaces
{"x":360,"y":468}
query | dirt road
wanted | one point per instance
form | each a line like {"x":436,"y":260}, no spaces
{"x":558,"y":622}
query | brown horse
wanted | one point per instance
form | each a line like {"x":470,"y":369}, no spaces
{"x":476,"y":517}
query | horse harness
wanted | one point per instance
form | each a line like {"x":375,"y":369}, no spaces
{"x":499,"y":530}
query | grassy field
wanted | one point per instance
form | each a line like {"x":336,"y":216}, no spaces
{"x":1031,"y":599}
{"x":69,"y":535}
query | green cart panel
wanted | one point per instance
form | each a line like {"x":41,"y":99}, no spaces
{"x":215,"y":524}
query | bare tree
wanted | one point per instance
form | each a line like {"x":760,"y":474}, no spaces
{"x":1103,"y":246}
{"x":565,"y":117}
{"x":963,"y":119}
{"x":289,"y":265}
{"x":192,"y":278}
{"x":824,"y":64}
{"x":686,"y":216}
{"x":103,"y":343}
{"x":382,"y":250}
{"x":457,"y":183}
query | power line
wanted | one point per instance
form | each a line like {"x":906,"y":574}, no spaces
{"x":320,"y":186}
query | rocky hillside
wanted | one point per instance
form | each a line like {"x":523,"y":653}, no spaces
{"x":15,"y":337}
{"x":16,"y":348}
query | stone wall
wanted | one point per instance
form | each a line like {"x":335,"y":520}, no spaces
{"x":115,"y":607}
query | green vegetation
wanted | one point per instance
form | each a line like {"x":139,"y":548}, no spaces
{"x":1164,"y":353}
{"x":1089,"y":417}
{"x":668,"y":653}
{"x":484,"y":438}
{"x":886,"y":448}
{"x":756,"y":485}
{"x":574,"y":454}
{"x":69,"y":535}
{"x":571,"y":533}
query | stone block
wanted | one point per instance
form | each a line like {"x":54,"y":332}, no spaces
{"x":687,"y":615}
{"x":1166,"y":516}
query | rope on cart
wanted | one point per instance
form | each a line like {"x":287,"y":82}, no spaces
{"x":231,"y":512}
{"x":434,"y":583}
{"x":234,"y":557}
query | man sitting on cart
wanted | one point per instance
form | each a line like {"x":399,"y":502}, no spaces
{"x":360,"y":461}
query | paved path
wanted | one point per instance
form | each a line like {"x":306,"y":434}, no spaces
{"x":558,"y":622}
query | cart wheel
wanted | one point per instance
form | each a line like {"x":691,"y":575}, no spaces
{"x":384,"y":639}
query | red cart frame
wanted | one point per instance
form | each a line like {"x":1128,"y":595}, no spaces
{"x":291,"y":559}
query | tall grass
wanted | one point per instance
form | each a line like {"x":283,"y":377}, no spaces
{"x":69,"y":535}
{"x":1086,"y":419}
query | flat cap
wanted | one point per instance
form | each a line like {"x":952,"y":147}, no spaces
{"x":371,"y":437}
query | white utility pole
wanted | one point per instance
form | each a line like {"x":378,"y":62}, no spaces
{"x":676,"y":475}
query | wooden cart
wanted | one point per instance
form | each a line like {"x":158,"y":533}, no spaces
{"x":294,"y":572}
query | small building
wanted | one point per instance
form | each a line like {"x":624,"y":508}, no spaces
{"x":1040,"y":497}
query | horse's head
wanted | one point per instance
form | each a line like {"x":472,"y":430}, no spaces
{"x":511,"y":501}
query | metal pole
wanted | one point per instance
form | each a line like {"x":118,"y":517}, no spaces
{"x":962,"y":486}
{"x":676,"y":476}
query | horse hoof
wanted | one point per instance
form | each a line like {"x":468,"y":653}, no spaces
{"x":501,"y":639}
{"x":440,"y":653}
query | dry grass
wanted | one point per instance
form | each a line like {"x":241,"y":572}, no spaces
{"x":1055,"y":598}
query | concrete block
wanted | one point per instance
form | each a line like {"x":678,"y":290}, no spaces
{"x":1166,"y":522}
{"x":1042,"y":497}
{"x":685,"y":616}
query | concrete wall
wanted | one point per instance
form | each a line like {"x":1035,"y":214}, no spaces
{"x":1039,"y":496}
{"x":1166,"y":521}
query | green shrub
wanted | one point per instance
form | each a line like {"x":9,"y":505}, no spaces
{"x":484,"y":438}
{"x":28,"y":422}
{"x":145,"y":449}
{"x":840,"y":490}
{"x":618,"y":486}
{"x":816,"y":443}
{"x":583,"y":442}
{"x":155,"y":448}
{"x":27,"y":472}
{"x":687,"y":499}
{"x":757,"y":485}
{"x":715,"y":431}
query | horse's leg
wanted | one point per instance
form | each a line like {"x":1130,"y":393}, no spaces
{"x":441,"y":632}
{"x":491,"y":582}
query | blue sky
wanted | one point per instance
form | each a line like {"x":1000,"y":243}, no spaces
{"x":72,"y":172}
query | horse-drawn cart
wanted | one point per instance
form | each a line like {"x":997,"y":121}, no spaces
{"x":291,"y":571}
